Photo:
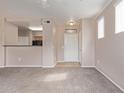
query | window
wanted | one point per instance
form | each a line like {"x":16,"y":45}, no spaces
{"x":119,"y":17}
{"x":101,"y":28}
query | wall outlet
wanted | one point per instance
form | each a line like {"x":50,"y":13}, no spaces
{"x":98,"y":61}
{"x":19,"y":59}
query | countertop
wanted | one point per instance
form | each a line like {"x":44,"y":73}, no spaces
{"x":20,"y":46}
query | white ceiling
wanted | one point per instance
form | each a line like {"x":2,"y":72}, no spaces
{"x":58,"y":9}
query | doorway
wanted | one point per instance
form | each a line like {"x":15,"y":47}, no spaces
{"x":71,"y":46}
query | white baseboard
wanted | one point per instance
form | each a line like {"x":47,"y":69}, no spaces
{"x":52,"y":66}
{"x":23,"y":66}
{"x":88,"y":66}
{"x":1,"y":66}
{"x":67,"y":61}
{"x":110,"y":79}
{"x":60,"y":61}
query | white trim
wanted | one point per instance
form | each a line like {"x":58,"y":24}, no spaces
{"x":107,"y":4}
{"x":88,"y":66}
{"x":48,"y":66}
{"x":52,"y":66}
{"x":60,"y":61}
{"x":68,"y":61}
{"x":23,"y":66}
{"x":2,"y":66}
{"x":117,"y":2}
{"x":110,"y":79}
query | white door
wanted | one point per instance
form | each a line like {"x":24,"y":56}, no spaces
{"x":71,"y":47}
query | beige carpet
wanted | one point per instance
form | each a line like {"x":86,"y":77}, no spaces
{"x":57,"y":80}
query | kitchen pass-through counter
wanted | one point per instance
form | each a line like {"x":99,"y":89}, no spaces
{"x":23,"y":56}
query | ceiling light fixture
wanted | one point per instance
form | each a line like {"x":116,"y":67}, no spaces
{"x":71,"y":23}
{"x":36,"y":28}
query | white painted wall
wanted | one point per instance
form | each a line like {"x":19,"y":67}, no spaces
{"x":10,"y":34}
{"x":55,"y":43}
{"x":88,"y":43}
{"x":80,"y":40}
{"x":48,"y":45}
{"x":1,"y":41}
{"x":110,"y":50}
{"x":60,"y":42}
{"x":23,"y":56}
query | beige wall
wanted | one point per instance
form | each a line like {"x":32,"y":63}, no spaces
{"x":60,"y":42}
{"x":88,"y":43}
{"x":48,"y":45}
{"x":80,"y":39}
{"x":10,"y":34}
{"x":24,"y":56}
{"x":110,"y":50}
{"x":1,"y":41}
{"x":55,"y":43}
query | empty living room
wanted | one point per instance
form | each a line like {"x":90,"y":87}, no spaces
{"x":61,"y":46}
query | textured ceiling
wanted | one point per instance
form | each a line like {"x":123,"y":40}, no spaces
{"x":57,"y":9}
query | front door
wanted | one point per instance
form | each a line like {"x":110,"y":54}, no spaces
{"x":71,"y":47}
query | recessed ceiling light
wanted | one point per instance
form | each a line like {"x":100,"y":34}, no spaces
{"x":36,"y":28}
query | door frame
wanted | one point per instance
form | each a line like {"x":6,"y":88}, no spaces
{"x":78,"y":45}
